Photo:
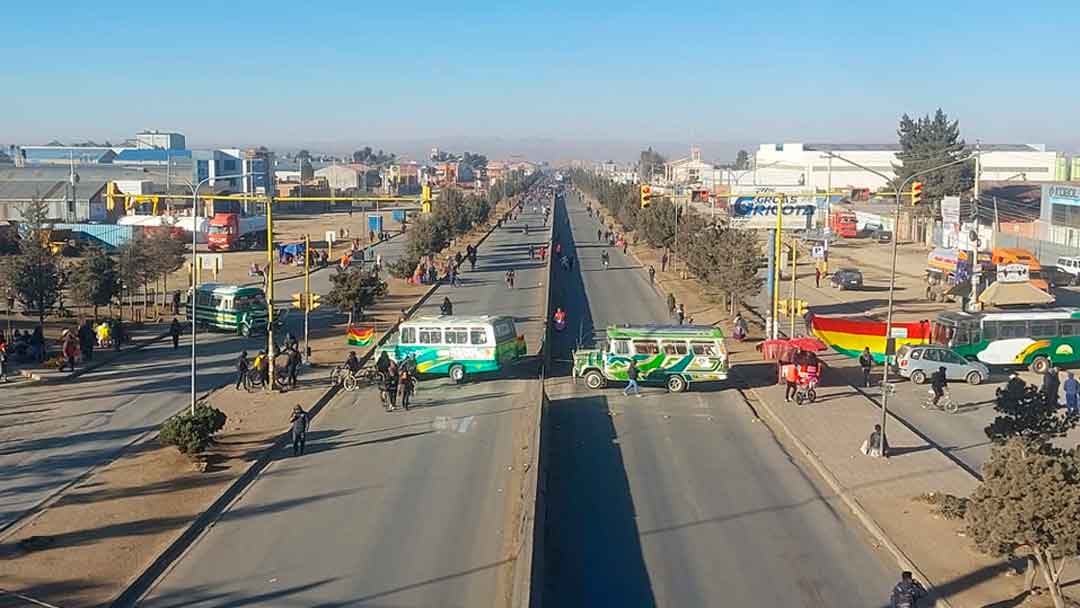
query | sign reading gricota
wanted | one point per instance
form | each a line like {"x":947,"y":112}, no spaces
{"x":759,"y":211}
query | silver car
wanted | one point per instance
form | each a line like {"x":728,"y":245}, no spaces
{"x":920,"y":362}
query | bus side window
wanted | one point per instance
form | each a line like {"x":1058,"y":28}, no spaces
{"x":478,"y":336}
{"x":1012,"y":329}
{"x":620,"y":347}
{"x":1044,"y":329}
{"x":408,"y":335}
{"x":430,"y":335}
{"x":458,"y":335}
{"x":1070,"y":328}
{"x":646,"y":347}
{"x":675,"y":348}
{"x":989,"y":330}
{"x":705,"y":349}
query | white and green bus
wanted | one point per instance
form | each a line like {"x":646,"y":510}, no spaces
{"x":230,"y":307}
{"x":457,"y":346}
{"x":674,"y":355}
{"x":1034,"y":338}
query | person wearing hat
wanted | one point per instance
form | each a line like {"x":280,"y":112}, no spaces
{"x":298,"y":428}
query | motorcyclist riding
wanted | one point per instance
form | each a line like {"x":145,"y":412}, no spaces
{"x":560,"y":319}
{"x":605,"y":258}
{"x":937,"y":384}
{"x":352,"y":363}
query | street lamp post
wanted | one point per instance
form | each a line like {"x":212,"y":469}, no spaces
{"x":195,"y":267}
{"x":892,"y":272}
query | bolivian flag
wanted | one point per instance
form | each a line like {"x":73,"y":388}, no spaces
{"x":361,"y":336}
{"x":849,"y":336}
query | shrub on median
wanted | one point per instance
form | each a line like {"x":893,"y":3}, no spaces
{"x":192,"y":433}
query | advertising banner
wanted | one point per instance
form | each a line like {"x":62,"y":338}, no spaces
{"x":758,"y":211}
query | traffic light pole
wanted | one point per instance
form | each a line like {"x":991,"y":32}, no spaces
{"x":270,"y":287}
{"x":794,"y":285}
{"x":307,"y":294}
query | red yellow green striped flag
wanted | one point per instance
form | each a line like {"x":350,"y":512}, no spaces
{"x":361,"y":336}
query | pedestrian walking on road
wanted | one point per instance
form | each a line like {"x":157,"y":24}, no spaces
{"x":652,"y":274}
{"x":3,"y":359}
{"x":866,"y":361}
{"x":790,"y":372}
{"x":663,"y":262}
{"x":86,"y":340}
{"x":447,"y":308}
{"x":625,"y":245}
{"x":293,"y":366}
{"x":532,"y":251}
{"x":176,"y":302}
{"x":680,"y":313}
{"x":1050,"y":385}
{"x":671,"y":304}
{"x":907,"y":593}
{"x":298,"y":425}
{"x":174,"y":332}
{"x":510,"y":278}
{"x":599,"y":234}
{"x":817,"y":277}
{"x":405,"y":387}
{"x":37,"y":344}
{"x":1072,"y":394}
{"x":631,"y":380}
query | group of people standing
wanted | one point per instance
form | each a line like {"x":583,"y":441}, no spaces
{"x":398,"y":380}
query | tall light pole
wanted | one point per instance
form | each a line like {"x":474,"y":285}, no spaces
{"x":192,"y":307}
{"x":892,"y":272}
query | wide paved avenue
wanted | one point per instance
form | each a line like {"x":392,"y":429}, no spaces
{"x":53,"y":434}
{"x":386,"y":509}
{"x":681,"y":499}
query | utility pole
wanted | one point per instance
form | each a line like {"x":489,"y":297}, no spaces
{"x":794,"y":283}
{"x":779,"y":253}
{"x":973,"y":303}
{"x":307,"y":293}
{"x":270,"y":286}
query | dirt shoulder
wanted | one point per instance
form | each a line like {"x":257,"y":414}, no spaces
{"x":88,"y":546}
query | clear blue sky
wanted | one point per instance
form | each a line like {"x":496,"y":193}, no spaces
{"x":300,"y":72}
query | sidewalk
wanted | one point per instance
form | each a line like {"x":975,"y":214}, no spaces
{"x":141,"y":337}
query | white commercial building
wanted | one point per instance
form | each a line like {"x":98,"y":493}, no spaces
{"x":159,"y":140}
{"x":694,"y":172}
{"x":791,"y":164}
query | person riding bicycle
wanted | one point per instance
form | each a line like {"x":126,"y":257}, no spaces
{"x":605,"y":258}
{"x":907,"y":593}
{"x":352,"y":363}
{"x":560,"y":318}
{"x":937,"y":384}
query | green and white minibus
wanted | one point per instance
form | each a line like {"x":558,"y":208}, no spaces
{"x":1035,"y":338}
{"x":230,"y":307}
{"x":674,"y":355}
{"x":457,"y":345}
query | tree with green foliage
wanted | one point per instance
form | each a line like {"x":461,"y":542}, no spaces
{"x":95,"y":280}
{"x":192,"y":432}
{"x":165,"y":252}
{"x":726,"y":261}
{"x":1026,"y":414}
{"x":133,"y":264}
{"x":353,"y":290}
{"x":930,"y":142}
{"x":1029,"y":502}
{"x":34,"y":275}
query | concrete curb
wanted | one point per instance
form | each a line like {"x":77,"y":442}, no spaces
{"x":36,"y":377}
{"x":528,"y":575}
{"x":145,"y":581}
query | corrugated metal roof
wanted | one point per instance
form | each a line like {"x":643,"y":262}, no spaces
{"x":81,"y":155}
{"x":21,"y":191}
{"x":896,"y":147}
{"x":150,"y":155}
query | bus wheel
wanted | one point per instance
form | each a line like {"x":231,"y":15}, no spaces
{"x":1040,"y":365}
{"x":595,"y":380}
{"x":676,"y":384}
{"x":457,"y":373}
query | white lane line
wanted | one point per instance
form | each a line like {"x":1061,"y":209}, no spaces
{"x":465,"y":423}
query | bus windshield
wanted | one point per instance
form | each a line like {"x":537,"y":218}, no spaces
{"x":943,"y":332}
{"x":257,"y":301}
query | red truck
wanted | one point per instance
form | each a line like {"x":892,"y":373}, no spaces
{"x":230,"y":228}
{"x":843,"y":224}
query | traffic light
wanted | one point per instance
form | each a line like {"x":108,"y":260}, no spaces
{"x":916,"y":193}
{"x":784,"y":307}
{"x":298,"y":300}
{"x":313,"y":301}
{"x":646,"y":195}
{"x":425,"y":199}
{"x":800,"y":308}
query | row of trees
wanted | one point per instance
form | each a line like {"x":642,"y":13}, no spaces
{"x":453,"y":214}
{"x":39,"y":280}
{"x":725,"y":260}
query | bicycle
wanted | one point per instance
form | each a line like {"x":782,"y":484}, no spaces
{"x":253,"y":379}
{"x":945,"y":403}
{"x":360,"y":378}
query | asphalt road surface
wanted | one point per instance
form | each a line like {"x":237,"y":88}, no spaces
{"x":681,"y":500}
{"x":52,"y":434}
{"x":385,"y":509}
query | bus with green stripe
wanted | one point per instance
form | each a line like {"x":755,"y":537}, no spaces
{"x":1036,"y":338}
{"x":457,"y":346}
{"x":234,"y":308}
{"x":672,"y":355}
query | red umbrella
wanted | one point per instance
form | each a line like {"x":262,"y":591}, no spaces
{"x":808,"y":343}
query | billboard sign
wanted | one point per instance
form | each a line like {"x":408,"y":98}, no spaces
{"x":758,"y":211}
{"x":950,"y":209}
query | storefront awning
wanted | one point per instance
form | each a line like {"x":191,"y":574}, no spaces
{"x":1014,"y":294}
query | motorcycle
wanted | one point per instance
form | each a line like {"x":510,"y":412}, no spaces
{"x":560,"y":324}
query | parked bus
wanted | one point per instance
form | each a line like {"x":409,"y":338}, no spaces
{"x":456,"y":346}
{"x":1036,"y":338}
{"x":844,"y":224}
{"x":230,"y":307}
{"x":674,"y":355}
